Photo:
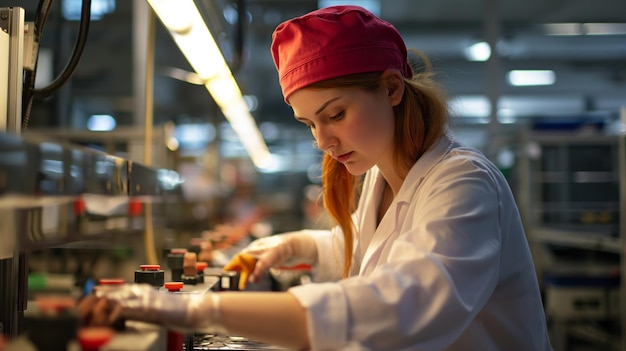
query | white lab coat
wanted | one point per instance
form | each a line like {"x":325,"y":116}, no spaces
{"x":448,"y":268}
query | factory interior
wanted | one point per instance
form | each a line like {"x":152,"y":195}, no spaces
{"x":118,"y":155}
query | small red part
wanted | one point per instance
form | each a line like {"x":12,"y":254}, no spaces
{"x":201,"y":266}
{"x":150,"y":267}
{"x":111,"y":281}
{"x":134,"y":208}
{"x":79,"y":206}
{"x":173,"y":286}
{"x":92,"y":338}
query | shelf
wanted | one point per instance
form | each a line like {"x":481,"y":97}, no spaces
{"x":584,"y":240}
{"x":38,"y":172}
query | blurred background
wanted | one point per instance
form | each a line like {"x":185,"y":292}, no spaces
{"x":538,"y":86}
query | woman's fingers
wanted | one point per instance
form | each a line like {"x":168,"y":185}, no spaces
{"x":101,"y":314}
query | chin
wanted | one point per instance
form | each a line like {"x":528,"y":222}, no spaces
{"x":356,"y":170}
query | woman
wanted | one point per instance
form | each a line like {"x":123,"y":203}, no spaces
{"x":429,"y":252}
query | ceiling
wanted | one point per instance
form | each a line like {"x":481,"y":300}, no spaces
{"x":590,"y":69}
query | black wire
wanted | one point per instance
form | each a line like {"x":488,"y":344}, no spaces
{"x":43,"y":9}
{"x":72,"y":64}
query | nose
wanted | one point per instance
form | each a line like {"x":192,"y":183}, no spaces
{"x":324,"y":139}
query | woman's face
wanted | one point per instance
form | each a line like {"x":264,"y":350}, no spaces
{"x":354,"y":126}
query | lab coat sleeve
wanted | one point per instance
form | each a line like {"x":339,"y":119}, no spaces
{"x":438,"y":275}
{"x":329,"y":265}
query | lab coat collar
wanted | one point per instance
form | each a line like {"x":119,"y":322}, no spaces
{"x":423,"y":166}
{"x":371,"y":243}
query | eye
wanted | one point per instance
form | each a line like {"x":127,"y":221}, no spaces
{"x":337,"y":116}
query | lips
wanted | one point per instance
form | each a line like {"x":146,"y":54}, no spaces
{"x":344,"y":157}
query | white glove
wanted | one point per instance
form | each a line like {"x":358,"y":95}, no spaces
{"x":181,"y":312}
{"x":282,"y":250}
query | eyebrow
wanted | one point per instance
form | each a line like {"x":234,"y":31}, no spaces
{"x":321,"y":107}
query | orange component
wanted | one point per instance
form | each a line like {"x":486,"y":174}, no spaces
{"x":201,"y":266}
{"x":244,"y":264}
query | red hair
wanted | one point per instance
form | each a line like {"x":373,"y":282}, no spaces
{"x":420,"y":120}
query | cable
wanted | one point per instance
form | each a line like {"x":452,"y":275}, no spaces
{"x":41,"y":15}
{"x":150,"y":250}
{"x":70,"y":68}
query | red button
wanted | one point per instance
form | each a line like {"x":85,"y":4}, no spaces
{"x":92,"y":338}
{"x":106,"y":281}
{"x":150,"y":267}
{"x":173,"y":286}
{"x":201,"y":266}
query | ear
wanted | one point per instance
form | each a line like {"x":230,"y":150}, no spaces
{"x":394,"y":84}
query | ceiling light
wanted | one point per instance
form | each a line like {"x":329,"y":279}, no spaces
{"x":101,"y":123}
{"x":585,"y":28}
{"x":71,"y":9}
{"x":563,"y":29}
{"x":480,"y":51}
{"x":372,"y":6}
{"x":531,"y":77}
{"x":470,"y":106}
{"x":186,"y":25}
{"x":604,"y":28}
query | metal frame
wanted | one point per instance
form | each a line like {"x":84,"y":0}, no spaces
{"x":12,"y":264}
{"x":12,"y":23}
{"x":622,"y":228}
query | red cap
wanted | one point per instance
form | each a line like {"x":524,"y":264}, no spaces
{"x":149,"y":267}
{"x":201,"y":266}
{"x":92,"y":338}
{"x":111,"y":281}
{"x":332,"y":42}
{"x":173,"y":286}
{"x":178,"y":251}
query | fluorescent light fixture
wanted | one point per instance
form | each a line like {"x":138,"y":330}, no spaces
{"x":470,"y":106}
{"x":191,"y":34}
{"x":101,"y":123}
{"x":604,"y":28}
{"x":572,"y":29}
{"x":531,"y":77}
{"x":563,"y":29}
{"x":480,"y":51}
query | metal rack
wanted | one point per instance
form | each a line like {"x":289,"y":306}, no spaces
{"x":35,"y":174}
{"x":622,"y":213}
{"x":572,"y":199}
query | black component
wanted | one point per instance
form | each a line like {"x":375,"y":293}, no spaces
{"x":175,"y":264}
{"x":155,"y":278}
{"x":51,"y":332}
{"x":189,"y":279}
{"x":228,"y":280}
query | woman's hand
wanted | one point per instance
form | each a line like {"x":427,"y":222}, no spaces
{"x":282,"y":250}
{"x":183,"y":312}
